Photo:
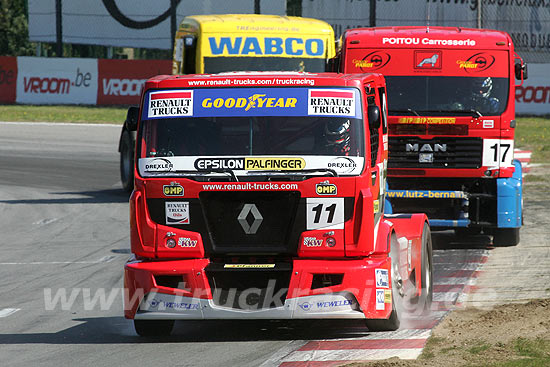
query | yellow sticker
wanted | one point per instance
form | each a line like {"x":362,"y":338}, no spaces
{"x":376,"y":206}
{"x":249,"y":266}
{"x":427,"y":120}
{"x":387,"y":295}
{"x":287,"y":164}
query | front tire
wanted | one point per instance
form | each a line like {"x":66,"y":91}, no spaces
{"x":153,"y":328}
{"x":422,"y":304}
{"x":126,"y":161}
{"x":394,"y":321}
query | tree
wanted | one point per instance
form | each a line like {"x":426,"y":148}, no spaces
{"x":14,"y":27}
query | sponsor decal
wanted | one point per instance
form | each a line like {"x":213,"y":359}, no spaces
{"x":171,"y":104}
{"x":376,"y":206}
{"x":256,"y":46}
{"x":336,"y":303}
{"x":162,"y":305}
{"x":312,"y":242}
{"x":342,"y":165}
{"x":413,"y":194}
{"x":387,"y":295}
{"x":249,"y":266}
{"x":428,"y":60}
{"x":372,"y":61}
{"x":256,"y":100}
{"x":478,"y":62}
{"x":177,"y":212}
{"x":306,"y":306}
{"x":122,"y":87}
{"x":488,"y":124}
{"x":426,"y":41}
{"x":187,"y":242}
{"x":331,"y":102}
{"x":382,"y":278}
{"x":380,"y":299}
{"x":53,"y":85}
{"x":426,"y":120}
{"x":174,"y":189}
{"x":326,"y":188}
{"x":159,"y":165}
{"x":250,"y":163}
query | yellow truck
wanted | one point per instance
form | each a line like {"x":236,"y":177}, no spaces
{"x":208,"y":44}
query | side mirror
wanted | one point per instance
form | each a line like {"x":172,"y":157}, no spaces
{"x":520,"y":70}
{"x":132,"y":118}
{"x":373,"y":114}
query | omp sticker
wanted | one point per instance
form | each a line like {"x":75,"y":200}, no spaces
{"x":177,"y":212}
{"x":324,"y":213}
{"x":174,"y":189}
{"x":326,"y":188}
{"x":380,"y":299}
{"x":331,"y":102}
{"x":382,"y":278}
{"x":170,"y":104}
{"x":498,"y":152}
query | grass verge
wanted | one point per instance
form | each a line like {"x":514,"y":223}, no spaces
{"x":76,"y":114}
{"x":533,"y":133}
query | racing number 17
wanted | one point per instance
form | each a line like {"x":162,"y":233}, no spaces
{"x":506,"y":148}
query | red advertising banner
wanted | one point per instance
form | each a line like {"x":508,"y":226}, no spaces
{"x":8,"y":79}
{"x":120,"y":81}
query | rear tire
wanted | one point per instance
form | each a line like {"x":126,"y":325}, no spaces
{"x":393,"y":322}
{"x":504,"y":237}
{"x":153,"y":328}
{"x":126,"y":161}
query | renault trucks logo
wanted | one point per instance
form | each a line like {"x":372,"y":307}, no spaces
{"x":427,"y":60}
{"x":372,"y":61}
{"x":250,"y":210}
{"x":476,"y":63}
{"x":171,"y":104}
{"x":331,"y":102}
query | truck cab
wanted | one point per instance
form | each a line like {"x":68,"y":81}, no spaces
{"x":451,"y":123}
{"x":261,"y":196}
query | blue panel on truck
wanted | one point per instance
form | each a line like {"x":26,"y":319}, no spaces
{"x":449,"y":222}
{"x":509,"y":199}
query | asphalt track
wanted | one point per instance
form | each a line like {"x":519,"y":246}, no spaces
{"x":64,"y":240}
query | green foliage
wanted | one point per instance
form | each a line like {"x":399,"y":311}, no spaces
{"x":14,"y":29}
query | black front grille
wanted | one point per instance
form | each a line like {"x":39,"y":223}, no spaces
{"x":273,"y":226}
{"x":249,"y":288}
{"x":457,"y":152}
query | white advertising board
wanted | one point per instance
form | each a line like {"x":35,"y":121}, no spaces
{"x":533,"y":97}
{"x":56,"y":81}
{"x":128,"y":23}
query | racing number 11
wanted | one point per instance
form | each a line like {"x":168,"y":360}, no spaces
{"x":319,"y":209}
{"x":324,"y":213}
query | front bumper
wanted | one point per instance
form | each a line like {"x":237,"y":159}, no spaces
{"x":362,"y":291}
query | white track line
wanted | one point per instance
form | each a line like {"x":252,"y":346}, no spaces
{"x":8,"y":312}
{"x":104,"y":259}
{"x":352,"y":354}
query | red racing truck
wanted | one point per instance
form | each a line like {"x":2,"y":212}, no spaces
{"x":261,"y":196}
{"x":451,"y":123}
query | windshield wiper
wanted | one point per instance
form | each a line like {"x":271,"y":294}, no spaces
{"x":294,"y":173}
{"x":472,"y":112}
{"x":409,"y":110}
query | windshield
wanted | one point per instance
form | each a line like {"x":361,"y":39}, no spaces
{"x":214,"y":65}
{"x":445,"y":95}
{"x":283,"y":129}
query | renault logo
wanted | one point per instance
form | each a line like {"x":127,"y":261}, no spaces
{"x":243,"y":215}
